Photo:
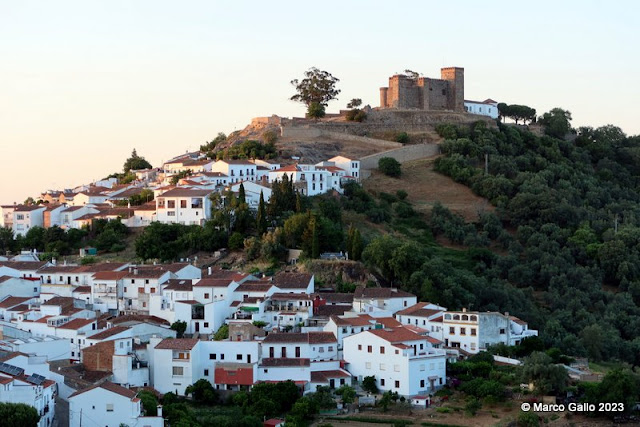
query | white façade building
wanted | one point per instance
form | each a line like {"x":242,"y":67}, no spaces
{"x":184,"y":206}
{"x":475,"y":331}
{"x":108,"y":404}
{"x":350,"y":166}
{"x":422,"y":315}
{"x":236,"y":170}
{"x":381,"y":302}
{"x":34,"y":390}
{"x":25,"y":217}
{"x":488,"y":107}
{"x":400,"y":360}
{"x":252,"y":191}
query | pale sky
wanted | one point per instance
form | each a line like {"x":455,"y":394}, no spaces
{"x":84,"y":82}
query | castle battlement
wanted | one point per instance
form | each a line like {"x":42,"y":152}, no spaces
{"x":424,"y":93}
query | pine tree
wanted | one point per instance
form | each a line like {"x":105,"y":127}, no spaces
{"x":261,"y":217}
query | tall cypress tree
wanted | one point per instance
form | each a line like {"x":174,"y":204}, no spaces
{"x":298,"y":203}
{"x":315,"y":242}
{"x":356,"y":246}
{"x":241,"y":194}
{"x":261,"y":217}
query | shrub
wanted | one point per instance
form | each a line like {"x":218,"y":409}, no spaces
{"x":402,"y":138}
{"x":401,"y":194}
{"x":236,"y":241}
{"x":269,"y":137}
{"x":389,"y":198}
{"x":389,"y":166}
{"x":360,"y":116}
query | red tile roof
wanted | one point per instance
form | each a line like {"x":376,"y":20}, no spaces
{"x":325,"y":376}
{"x":213,"y":283}
{"x":397,"y":335}
{"x":362,"y":292}
{"x":109,"y":386}
{"x":361,"y":320}
{"x":108,"y":333}
{"x":285,"y":280}
{"x":110,"y":275}
{"x":186,"y":192}
{"x":77,"y":323}
{"x":13,"y":301}
{"x":177,"y":344}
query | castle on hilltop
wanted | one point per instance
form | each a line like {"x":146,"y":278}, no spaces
{"x":423,"y":93}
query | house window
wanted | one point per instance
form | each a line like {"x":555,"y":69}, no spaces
{"x":153,"y":290}
{"x":238,"y":357}
{"x":125,"y":289}
{"x":183,"y":204}
{"x":421,"y":383}
{"x":297,"y":351}
{"x":206,"y":372}
{"x":109,"y":407}
{"x":369,"y":349}
{"x":473,"y":332}
{"x":206,"y":296}
{"x":359,"y":346}
{"x":178,"y":371}
{"x":383,"y":367}
{"x":146,"y":281}
{"x":212,"y":356}
{"x":452,"y":330}
{"x":502,"y":331}
{"x":221,"y":356}
{"x":206,"y":324}
{"x":422,"y":367}
{"x":141,"y":290}
{"x":397,"y":384}
{"x":381,"y":349}
{"x":171,"y":204}
{"x":367,"y":365}
{"x":382,"y":382}
{"x":463,"y":331}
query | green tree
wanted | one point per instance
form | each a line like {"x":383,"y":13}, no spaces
{"x":203,"y":392}
{"x":135,"y":162}
{"x":544,"y":374}
{"x":149,"y":403}
{"x":369,"y":384}
{"x":354,"y":103}
{"x":180,"y":326}
{"x":557,"y":122}
{"x":472,"y":406}
{"x":389,"y":166}
{"x":315,"y":91}
{"x":222,"y":333}
{"x":347,"y":393}
{"x":315,"y":243}
{"x":18,"y":414}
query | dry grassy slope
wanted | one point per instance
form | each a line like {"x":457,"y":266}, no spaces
{"x":425,"y":187}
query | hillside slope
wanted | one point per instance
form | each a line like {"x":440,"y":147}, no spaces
{"x":425,"y":187}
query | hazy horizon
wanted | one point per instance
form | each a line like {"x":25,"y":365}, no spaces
{"x":83,"y":83}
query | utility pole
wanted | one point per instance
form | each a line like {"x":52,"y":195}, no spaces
{"x":615,"y":224}
{"x":486,"y":163}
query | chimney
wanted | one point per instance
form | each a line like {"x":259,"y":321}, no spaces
{"x":506,"y":313}
{"x":159,"y":409}
{"x":53,"y":261}
{"x":135,"y":271}
{"x":209,"y":271}
{"x":464,"y":309}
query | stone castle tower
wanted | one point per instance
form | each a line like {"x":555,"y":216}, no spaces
{"x":423,"y":93}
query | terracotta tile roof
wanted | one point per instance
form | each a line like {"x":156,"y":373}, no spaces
{"x":177,"y":344}
{"x":186,"y":192}
{"x":334,"y":297}
{"x":23,"y":265}
{"x":110,"y":275}
{"x":237,"y":162}
{"x":285,"y":280}
{"x":226,"y":274}
{"x":213,"y":283}
{"x":325,"y":376}
{"x":288,"y":168}
{"x":362,"y":292}
{"x":13,"y":301}
{"x":58,"y":269}
{"x":28,"y":208}
{"x":254,"y":287}
{"x":189,"y":301}
{"x":518,"y":320}
{"x":361,"y":320}
{"x":145,"y":273}
{"x":396,"y":335}
{"x":332,"y":310}
{"x":115,"y":330}
{"x":178,"y":285}
{"x":280,"y":296}
{"x":138,"y":318}
{"x":306,"y":337}
{"x":19,"y":308}
{"x":109,"y":386}
{"x":60,"y":301}
{"x":151,"y":206}
{"x":284,"y":361}
{"x":77,"y":323}
{"x":83,"y":289}
{"x":388,"y":322}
